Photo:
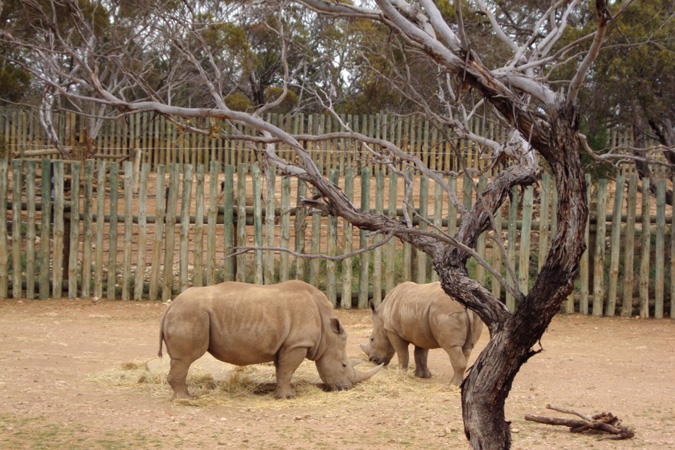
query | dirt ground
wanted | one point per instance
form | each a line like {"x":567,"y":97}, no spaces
{"x":52,"y":355}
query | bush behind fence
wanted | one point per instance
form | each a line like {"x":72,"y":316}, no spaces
{"x":100,"y":230}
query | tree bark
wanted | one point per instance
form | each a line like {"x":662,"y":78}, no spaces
{"x":487,"y":386}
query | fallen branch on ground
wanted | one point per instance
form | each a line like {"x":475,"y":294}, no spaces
{"x":603,"y":422}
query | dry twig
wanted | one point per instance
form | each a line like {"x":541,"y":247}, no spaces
{"x":603,"y":422}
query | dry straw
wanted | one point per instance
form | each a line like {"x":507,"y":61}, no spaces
{"x":213,"y":383}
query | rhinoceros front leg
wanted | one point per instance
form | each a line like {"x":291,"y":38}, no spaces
{"x":288,"y":360}
{"x":458,"y":362}
{"x":401,"y":348}
{"x":421,"y":368}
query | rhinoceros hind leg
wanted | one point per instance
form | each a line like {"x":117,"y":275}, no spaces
{"x":176,"y":378}
{"x":286,"y":363}
{"x":401,"y":348}
{"x":458,"y":362}
{"x":421,"y":368}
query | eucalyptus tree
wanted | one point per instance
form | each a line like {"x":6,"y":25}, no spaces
{"x":511,"y":76}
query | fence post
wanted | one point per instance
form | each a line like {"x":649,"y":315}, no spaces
{"x":170,"y":235}
{"x":271,"y":173}
{"x":228,"y":221}
{"x":331,"y":248}
{"x":525,"y":231}
{"x":242,"y":170}
{"x":480,"y":244}
{"x":212,"y":218}
{"x":347,"y":267}
{"x":17,"y":166}
{"x":377,"y":252}
{"x":363,"y":240}
{"x":257,"y":225}
{"x":129,"y":171}
{"x":45,"y":233}
{"x":646,"y":243}
{"x":659,"y":260}
{"x":285,"y":232}
{"x":438,"y":217}
{"x":300,"y":227}
{"x":30,"y":230}
{"x":142,"y":232}
{"x":88,"y":212}
{"x":184,"y":234}
{"x":585,"y":258}
{"x":100,"y":224}
{"x":198,"y":265}
{"x":74,"y":228}
{"x":390,"y":273}
{"x":599,"y":262}
{"x":423,"y":209}
{"x":158,"y":231}
{"x":511,"y":250}
{"x":58,"y":229}
{"x":615,"y":246}
{"x":628,"y":265}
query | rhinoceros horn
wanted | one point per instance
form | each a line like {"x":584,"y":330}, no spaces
{"x":364,"y":348}
{"x":363,"y":376}
{"x":355,"y":361}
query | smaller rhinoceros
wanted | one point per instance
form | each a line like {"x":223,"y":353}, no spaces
{"x":244,"y":324}
{"x":425,"y":316}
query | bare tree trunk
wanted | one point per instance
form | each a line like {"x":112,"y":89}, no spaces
{"x":486,"y":388}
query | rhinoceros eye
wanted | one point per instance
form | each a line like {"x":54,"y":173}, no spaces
{"x":372,"y":339}
{"x":344,"y":365}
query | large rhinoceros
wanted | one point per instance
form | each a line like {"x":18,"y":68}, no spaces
{"x":425,"y":316}
{"x":244,"y":324}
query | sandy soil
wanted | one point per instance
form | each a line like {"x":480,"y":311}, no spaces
{"x":52,"y":351}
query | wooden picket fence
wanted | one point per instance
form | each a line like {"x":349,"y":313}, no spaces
{"x":159,"y":141}
{"x":100,"y":230}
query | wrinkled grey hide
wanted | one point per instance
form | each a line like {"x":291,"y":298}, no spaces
{"x":425,"y":316}
{"x":244,"y":324}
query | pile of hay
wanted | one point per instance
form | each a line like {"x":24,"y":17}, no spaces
{"x":213,"y":383}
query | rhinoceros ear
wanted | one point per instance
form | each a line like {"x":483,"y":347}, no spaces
{"x":372,"y":306}
{"x":336,"y":326}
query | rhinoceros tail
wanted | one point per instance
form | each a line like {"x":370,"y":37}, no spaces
{"x":161,"y":331}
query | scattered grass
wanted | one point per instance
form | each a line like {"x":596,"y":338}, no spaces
{"x":254,"y":386}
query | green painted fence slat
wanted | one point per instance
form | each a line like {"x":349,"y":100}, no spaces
{"x":139,"y":283}
{"x":158,"y":232}
{"x":127,"y":278}
{"x":73,"y":259}
{"x":17,"y":270}
{"x":198,"y":275}
{"x":377,"y":252}
{"x":257,"y":225}
{"x":629,"y":243}
{"x":242,"y":170}
{"x":212,"y":218}
{"x":331,"y":249}
{"x":615,"y":246}
{"x":347,"y":263}
{"x":30,"y":229}
{"x":599,"y":257}
{"x":228,"y":219}
{"x":285,"y":233}
{"x":659,"y":251}
{"x":364,"y":257}
{"x":170,"y":233}
{"x":88,"y":220}
{"x":45,"y":226}
{"x":100,"y":226}
{"x":646,"y":252}
{"x":57,"y":279}
{"x":270,"y":201}
{"x":184,"y":234}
